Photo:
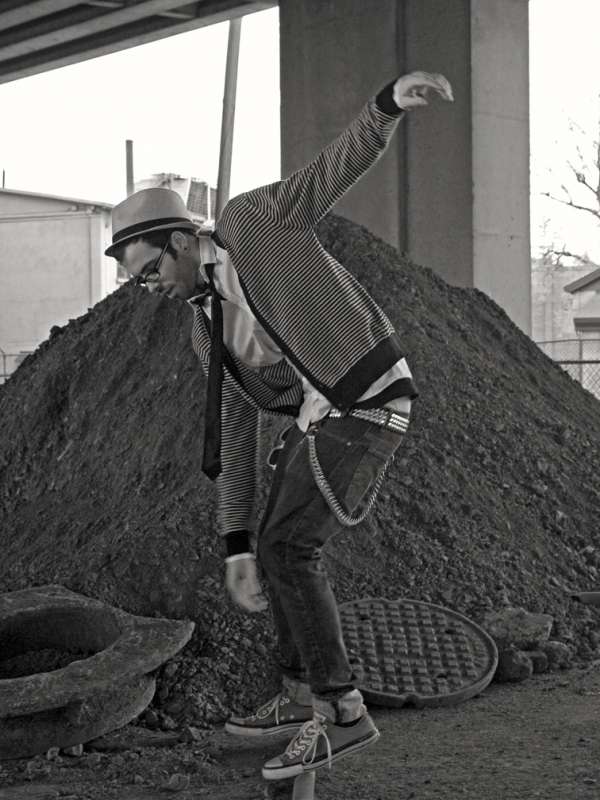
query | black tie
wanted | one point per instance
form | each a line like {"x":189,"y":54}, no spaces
{"x":211,"y":462}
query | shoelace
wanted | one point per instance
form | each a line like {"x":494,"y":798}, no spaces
{"x":305,"y":741}
{"x":272,"y":705}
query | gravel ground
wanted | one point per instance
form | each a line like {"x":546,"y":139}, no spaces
{"x":537,"y":739}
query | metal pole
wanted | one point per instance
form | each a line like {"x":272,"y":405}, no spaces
{"x":3,"y":177}
{"x":129,"y":166}
{"x":227,"y":120}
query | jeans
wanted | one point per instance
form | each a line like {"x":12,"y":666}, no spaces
{"x":295,"y":525}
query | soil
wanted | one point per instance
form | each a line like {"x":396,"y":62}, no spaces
{"x":537,"y":739}
{"x":494,"y":500}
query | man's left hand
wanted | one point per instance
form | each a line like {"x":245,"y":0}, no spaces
{"x":410,"y":91}
{"x":243,"y":585}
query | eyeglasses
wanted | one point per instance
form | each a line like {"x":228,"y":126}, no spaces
{"x":150,"y":273}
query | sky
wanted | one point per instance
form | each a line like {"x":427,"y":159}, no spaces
{"x":565,"y":86}
{"x":63,"y":132}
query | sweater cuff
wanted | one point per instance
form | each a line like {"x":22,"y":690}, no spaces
{"x":385,"y":101}
{"x":237,"y":542}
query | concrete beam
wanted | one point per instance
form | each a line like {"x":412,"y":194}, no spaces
{"x":54,"y":31}
{"x":26,"y":12}
{"x":112,"y":40}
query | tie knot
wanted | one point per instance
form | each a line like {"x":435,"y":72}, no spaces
{"x":207,"y":289}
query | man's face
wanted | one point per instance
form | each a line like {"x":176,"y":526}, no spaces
{"x":177,"y":276}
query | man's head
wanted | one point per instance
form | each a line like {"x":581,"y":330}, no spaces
{"x":154,"y":239}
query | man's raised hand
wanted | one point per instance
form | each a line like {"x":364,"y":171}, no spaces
{"x":411,"y":90}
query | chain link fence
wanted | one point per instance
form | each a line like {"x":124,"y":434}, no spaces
{"x":580,"y":358}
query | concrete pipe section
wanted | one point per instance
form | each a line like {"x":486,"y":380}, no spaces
{"x":49,"y":699}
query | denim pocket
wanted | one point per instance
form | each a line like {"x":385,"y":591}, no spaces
{"x":380,"y":447}
{"x":383,"y":442}
{"x":352,"y":455}
{"x":363,"y":479}
{"x":339,"y":457}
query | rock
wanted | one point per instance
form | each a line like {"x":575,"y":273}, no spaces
{"x":168,"y":723}
{"x":151,"y":719}
{"x":561,"y":518}
{"x":175,"y":706}
{"x":539,"y":659}
{"x":192,"y":734}
{"x":52,"y":753}
{"x":518,"y":627}
{"x":513,"y":666}
{"x":170,"y":669}
{"x":177,"y":782}
{"x":76,"y":750}
{"x":559,"y":654}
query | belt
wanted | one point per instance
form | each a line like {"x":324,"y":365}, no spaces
{"x":384,"y":417}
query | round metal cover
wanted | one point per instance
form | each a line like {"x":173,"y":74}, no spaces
{"x":417,"y":653}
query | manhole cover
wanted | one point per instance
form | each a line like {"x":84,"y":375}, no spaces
{"x":418,"y":653}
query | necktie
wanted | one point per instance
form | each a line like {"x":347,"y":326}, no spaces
{"x":211,"y":461}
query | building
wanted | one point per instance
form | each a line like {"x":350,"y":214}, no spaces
{"x":199,"y":198}
{"x":552,"y":306}
{"x":586,"y":304}
{"x":566,"y":319}
{"x":52,"y":267}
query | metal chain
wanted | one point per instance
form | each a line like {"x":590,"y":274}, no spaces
{"x":349,"y":520}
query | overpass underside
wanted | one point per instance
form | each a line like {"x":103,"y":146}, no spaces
{"x":39,"y":35}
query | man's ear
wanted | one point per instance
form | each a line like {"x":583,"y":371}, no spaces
{"x":179,"y":242}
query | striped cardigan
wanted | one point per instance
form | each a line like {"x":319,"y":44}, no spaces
{"x":323,"y":320}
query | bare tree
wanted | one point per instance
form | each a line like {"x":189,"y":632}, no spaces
{"x":585,"y":179}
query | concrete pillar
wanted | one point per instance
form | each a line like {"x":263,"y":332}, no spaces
{"x":453,"y":188}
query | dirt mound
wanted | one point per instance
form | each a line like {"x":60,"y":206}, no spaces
{"x":494,"y":499}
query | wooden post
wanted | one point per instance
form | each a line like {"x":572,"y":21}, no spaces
{"x":227,"y":120}
{"x":300,"y":788}
{"x":129,"y":166}
{"x":304,"y":786}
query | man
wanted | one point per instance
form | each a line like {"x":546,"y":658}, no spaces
{"x":281,"y":327}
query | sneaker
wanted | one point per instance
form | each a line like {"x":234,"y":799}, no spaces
{"x":319,"y":742}
{"x":279,"y":715}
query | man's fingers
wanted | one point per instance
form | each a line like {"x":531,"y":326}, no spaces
{"x":250,"y":598}
{"x":415,"y":100}
{"x":445,"y":88}
{"x":252,"y":604}
{"x":434,"y":80}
